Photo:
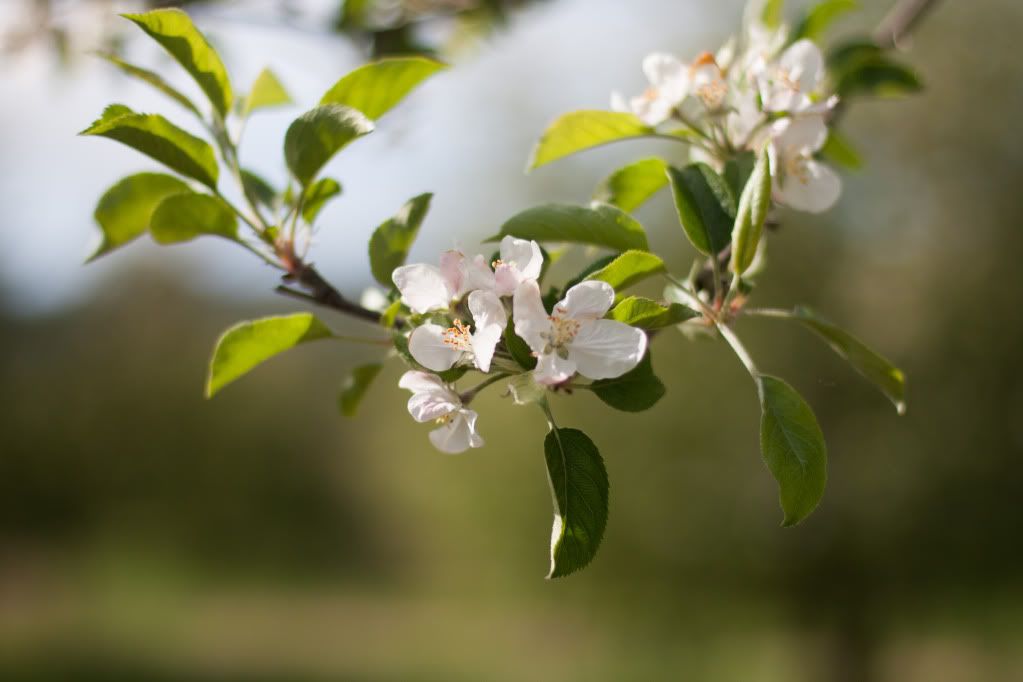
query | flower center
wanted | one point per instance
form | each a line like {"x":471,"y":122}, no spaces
{"x":712,"y":93}
{"x":563,"y":330}
{"x":784,"y":76}
{"x":458,"y":336}
{"x":797,"y":167}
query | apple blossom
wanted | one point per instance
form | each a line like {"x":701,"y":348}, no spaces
{"x":801,"y":181}
{"x":427,"y":287}
{"x":521,"y":260}
{"x":439,"y":348}
{"x":787,"y":84}
{"x":433,"y":400}
{"x":574,"y":337}
{"x":669,"y":83}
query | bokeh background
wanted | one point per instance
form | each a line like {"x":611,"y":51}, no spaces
{"x":148,"y":534}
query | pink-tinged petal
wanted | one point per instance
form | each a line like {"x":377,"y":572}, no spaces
{"x":588,"y":300}
{"x":553,"y":369}
{"x":815,"y":190}
{"x":604,"y":349}
{"x":531,"y":320}
{"x":429,"y":345}
{"x":458,"y":435}
{"x":423,"y":287}
{"x":476,"y":275}
{"x":506,"y":279}
{"x":452,"y":268}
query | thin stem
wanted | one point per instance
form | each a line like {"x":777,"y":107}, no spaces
{"x":769,"y":312}
{"x":716,"y":272}
{"x":468,"y":395}
{"x":694,"y":301}
{"x":362,"y":339}
{"x":728,"y":335}
{"x":900,"y":21}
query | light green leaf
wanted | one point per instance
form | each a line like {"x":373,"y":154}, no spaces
{"x":754,"y":204}
{"x":376,"y":87}
{"x":316,"y":195}
{"x":637,"y":390}
{"x":819,"y":19}
{"x":355,"y":388}
{"x":648,"y":314}
{"x":250,"y":343}
{"x":580,"y":130}
{"x":793,"y":448}
{"x":579,"y":487}
{"x":705,"y":206}
{"x":839,"y":150}
{"x":267,"y":91}
{"x":630,"y":186}
{"x":629,"y":268}
{"x":886,"y":376}
{"x":175,"y":32}
{"x":315,"y":136}
{"x":154,"y":79}
{"x":391,"y":241}
{"x":159,"y":139}
{"x":257,"y":187}
{"x":183,"y":217}
{"x":124,"y":210}
{"x":597,"y":224}
{"x":771,"y":12}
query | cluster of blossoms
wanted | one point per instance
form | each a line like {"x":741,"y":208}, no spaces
{"x":463,"y":306}
{"x":754,"y":91}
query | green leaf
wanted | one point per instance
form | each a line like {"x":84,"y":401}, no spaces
{"x":637,"y":390}
{"x":754,"y":204}
{"x":793,"y":448}
{"x":840,"y":151}
{"x":267,"y":91}
{"x":861,"y":68}
{"x":316,"y":195}
{"x":580,"y":130}
{"x":737,"y":171}
{"x":519,"y":349}
{"x":597,"y":224}
{"x":579,"y":487}
{"x":889,"y":379}
{"x":593,"y":267}
{"x":124,"y":210}
{"x":390,"y":243}
{"x":315,"y":136}
{"x":705,"y":205}
{"x":154,"y":79}
{"x":250,"y":343}
{"x":630,"y":186}
{"x":376,"y":87}
{"x":183,"y":217}
{"x":629,"y":268}
{"x":175,"y":32}
{"x":355,"y":388}
{"x":771,"y":12}
{"x":159,"y":139}
{"x":819,"y":19}
{"x":648,"y":314}
{"x":259,"y":188}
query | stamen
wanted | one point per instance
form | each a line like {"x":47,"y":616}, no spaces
{"x":458,"y":336}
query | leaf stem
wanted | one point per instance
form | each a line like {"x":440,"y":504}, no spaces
{"x":769,"y":312}
{"x":468,"y":395}
{"x":728,"y":335}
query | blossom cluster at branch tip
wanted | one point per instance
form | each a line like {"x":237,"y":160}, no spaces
{"x":757,"y":90}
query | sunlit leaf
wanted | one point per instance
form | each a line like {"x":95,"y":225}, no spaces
{"x":315,"y":136}
{"x":266,"y":92}
{"x":376,"y":87}
{"x":183,"y":217}
{"x":582,"y":130}
{"x":124,"y":210}
{"x":391,"y":241}
{"x":629,"y":268}
{"x":318,"y":194}
{"x":648,"y":314}
{"x":597,"y":224}
{"x":630,"y":186}
{"x":154,"y":79}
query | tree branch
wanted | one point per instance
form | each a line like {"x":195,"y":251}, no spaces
{"x":323,"y":293}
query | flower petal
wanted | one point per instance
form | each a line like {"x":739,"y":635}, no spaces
{"x":421,"y":382}
{"x":521,"y":259}
{"x":815,"y":191}
{"x":431,"y":399}
{"x":531,"y":320}
{"x":588,"y":300}
{"x":805,"y":63}
{"x":603,"y":349}
{"x":490,"y":317}
{"x":553,"y":369}
{"x":423,"y":288}
{"x":666,"y":73}
{"x":458,"y":434}
{"x":429,"y":346}
{"x":477,"y":275}
{"x":799,"y":135}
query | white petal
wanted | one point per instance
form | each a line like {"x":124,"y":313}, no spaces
{"x":421,"y":382}
{"x":618,"y":102}
{"x":524,"y":254}
{"x":431,"y":399}
{"x":490,"y":318}
{"x":531,"y":320}
{"x":428,"y":346}
{"x":800,"y":134}
{"x":588,"y":300}
{"x":373,"y":298}
{"x":476,"y":274}
{"x":666,"y":73}
{"x":423,"y":287}
{"x":804,"y":61}
{"x":458,"y":435}
{"x":606,"y":348}
{"x":552,"y":369}
{"x":815,"y":193}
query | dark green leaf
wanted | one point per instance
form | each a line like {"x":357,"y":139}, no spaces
{"x":793,"y":448}
{"x":182,"y":217}
{"x":318,"y":134}
{"x":376,"y":87}
{"x":519,"y":349}
{"x":579,"y":487}
{"x":637,"y":390}
{"x":390,"y":243}
{"x":355,"y":388}
{"x":593,"y":267}
{"x":598,"y":224}
{"x":175,"y":32}
{"x":754,"y":204}
{"x":839,"y":150}
{"x":154,"y":79}
{"x":250,"y":343}
{"x":629,"y":268}
{"x":124,"y":210}
{"x":647,"y":314}
{"x":737,"y":171}
{"x":820,"y":18}
{"x":258,"y":188}
{"x":860,"y":68}
{"x":267,"y":91}
{"x":158,"y":138}
{"x":630,"y":186}
{"x":582,"y":130}
{"x":316,"y":195}
{"x":705,"y":205}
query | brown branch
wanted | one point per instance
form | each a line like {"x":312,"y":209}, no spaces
{"x":321,"y":292}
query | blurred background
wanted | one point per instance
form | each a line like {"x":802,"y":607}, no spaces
{"x":148,"y":534}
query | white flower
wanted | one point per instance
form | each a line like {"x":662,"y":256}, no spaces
{"x":427,"y":287}
{"x":574,"y":338}
{"x":787,"y":84}
{"x":433,"y":400}
{"x":521,"y":260}
{"x":437,"y":348}
{"x":707,"y":83}
{"x":800,"y":181}
{"x":668,"y":86}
